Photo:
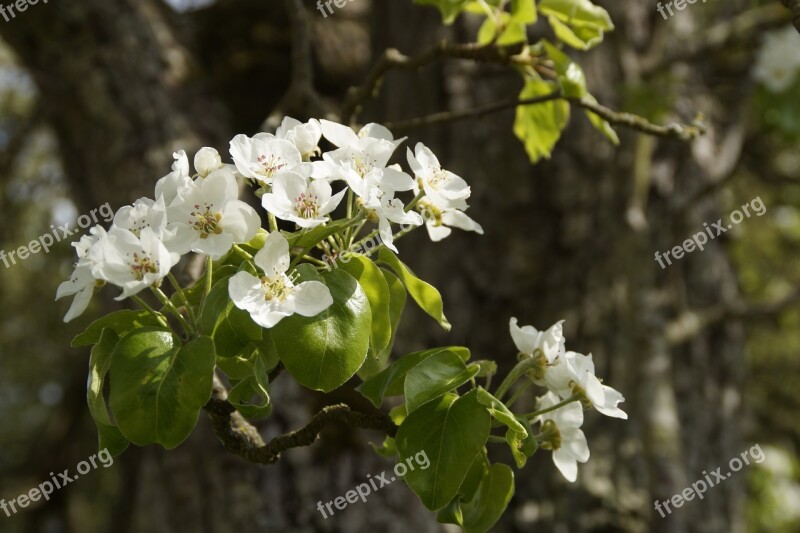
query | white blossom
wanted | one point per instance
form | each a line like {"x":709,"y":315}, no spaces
{"x":778,"y":60}
{"x":305,"y":137}
{"x":167,"y":187}
{"x":144,"y":213}
{"x":274,"y":296}
{"x":130,"y":262}
{"x":207,"y":217}
{"x":81,"y":283}
{"x":568,"y":442}
{"x":305,"y":203}
{"x":264,"y":156}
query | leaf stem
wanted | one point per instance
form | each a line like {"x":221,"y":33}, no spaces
{"x":182,"y":296}
{"x":158,"y":316}
{"x":167,"y":303}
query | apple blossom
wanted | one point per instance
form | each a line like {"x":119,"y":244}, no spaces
{"x":179,"y":177}
{"x":206,"y":161}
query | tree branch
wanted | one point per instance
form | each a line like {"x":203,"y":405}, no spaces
{"x":393,"y":58}
{"x":794,"y":7}
{"x":241,"y":438}
{"x":674,"y":130}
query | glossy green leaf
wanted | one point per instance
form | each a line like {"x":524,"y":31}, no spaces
{"x":159,"y":386}
{"x":256,"y":385}
{"x":391,"y":381}
{"x":324,"y":351}
{"x":452,"y":431}
{"x":397,"y":304}
{"x":490,"y":501}
{"x":373,"y":282}
{"x":435,"y":376}
{"x":426,"y":296}
{"x":120,"y":322}
{"x":309,"y":238}
{"x":500,"y":412}
{"x":539,"y":126}
{"x":231,"y":328}
{"x":109,"y":435}
{"x":452,"y":514}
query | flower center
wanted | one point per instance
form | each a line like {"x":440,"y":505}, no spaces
{"x":270,"y":166}
{"x":205,"y":222}
{"x":438,"y":178}
{"x":143,"y":265}
{"x":307,"y":205}
{"x":550,"y":438}
{"x":278,"y":288}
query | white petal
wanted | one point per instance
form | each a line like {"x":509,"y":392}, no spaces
{"x":311,"y":298}
{"x":241,"y":148}
{"x":394,"y":180}
{"x":339,"y":135}
{"x":273,"y":258}
{"x":79,"y":304}
{"x":457,"y":219}
{"x":566,"y":464}
{"x":246,"y":291}
{"x":437,"y":233}
{"x":526,"y":338}
{"x":240,"y":220}
{"x":573,"y":441}
{"x":609,"y":408}
{"x":289,"y":185}
{"x":219,"y":187}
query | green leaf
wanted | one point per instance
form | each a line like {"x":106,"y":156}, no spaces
{"x":109,"y":434}
{"x":523,"y":11}
{"x":371,"y":279}
{"x":451,"y":431}
{"x":256,"y":385}
{"x":519,"y":435}
{"x":577,"y":23}
{"x":490,"y":501}
{"x":397,"y":304}
{"x":426,"y":296}
{"x":158,"y":386}
{"x":325,"y":351}
{"x":435,"y":376}
{"x":539,"y":126}
{"x":521,"y":446}
{"x":452,"y":514}
{"x":570,"y":74}
{"x":387,"y":449}
{"x":231,"y":328}
{"x":195,"y":293}
{"x":391,"y":381}
{"x":500,"y":412}
{"x":449,"y":8}
{"x":600,"y":123}
{"x":120,"y":322}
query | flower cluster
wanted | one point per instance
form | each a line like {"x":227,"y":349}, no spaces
{"x":295,"y":181}
{"x":777,"y":61}
{"x":571,"y":384}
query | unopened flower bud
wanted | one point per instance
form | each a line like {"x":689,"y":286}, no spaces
{"x":206,"y":161}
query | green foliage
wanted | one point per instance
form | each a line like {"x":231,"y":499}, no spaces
{"x":539,"y":126}
{"x":451,"y":429}
{"x":159,"y":385}
{"x":325,"y":351}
